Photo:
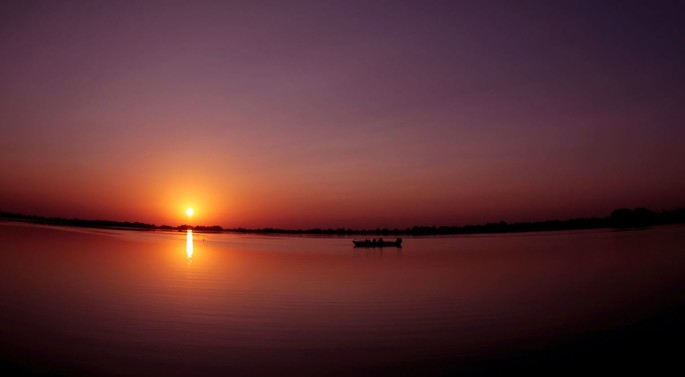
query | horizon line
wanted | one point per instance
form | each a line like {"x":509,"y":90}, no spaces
{"x":620,"y":218}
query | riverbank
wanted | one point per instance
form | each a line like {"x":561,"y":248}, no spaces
{"x":622,"y":218}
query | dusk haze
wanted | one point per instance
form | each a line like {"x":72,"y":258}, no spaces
{"x":340,"y":114}
{"x":342,"y":188}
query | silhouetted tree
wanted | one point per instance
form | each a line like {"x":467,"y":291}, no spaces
{"x":638,"y":217}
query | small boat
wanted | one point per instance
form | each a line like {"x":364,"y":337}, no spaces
{"x":377,"y":243}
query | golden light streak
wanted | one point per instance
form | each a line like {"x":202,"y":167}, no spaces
{"x":189,"y":246}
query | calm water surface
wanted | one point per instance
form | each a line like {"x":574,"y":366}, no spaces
{"x":108,"y":302}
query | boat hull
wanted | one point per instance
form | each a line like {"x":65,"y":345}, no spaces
{"x":371,"y":243}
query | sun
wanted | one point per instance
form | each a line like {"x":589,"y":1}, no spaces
{"x":189,"y":212}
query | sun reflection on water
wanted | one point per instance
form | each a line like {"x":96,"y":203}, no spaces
{"x":189,"y":246}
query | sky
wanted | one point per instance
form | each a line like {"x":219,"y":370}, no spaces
{"x":363,"y":114}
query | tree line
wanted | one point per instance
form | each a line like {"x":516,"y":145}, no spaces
{"x":622,"y":218}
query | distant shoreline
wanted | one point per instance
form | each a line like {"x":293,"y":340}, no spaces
{"x":622,"y":218}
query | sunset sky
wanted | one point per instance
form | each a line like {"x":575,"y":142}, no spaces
{"x":299,"y":114}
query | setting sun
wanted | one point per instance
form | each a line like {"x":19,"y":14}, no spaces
{"x":189,"y":212}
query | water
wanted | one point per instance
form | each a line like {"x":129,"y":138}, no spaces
{"x":108,"y":302}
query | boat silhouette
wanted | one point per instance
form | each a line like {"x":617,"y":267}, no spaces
{"x":377,"y":243}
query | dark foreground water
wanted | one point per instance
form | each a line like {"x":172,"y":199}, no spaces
{"x":106,"y":302}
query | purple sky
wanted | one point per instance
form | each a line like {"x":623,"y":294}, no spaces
{"x":356,"y":114}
